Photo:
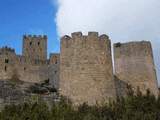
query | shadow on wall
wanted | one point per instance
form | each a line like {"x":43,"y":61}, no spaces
{"x":121,"y":87}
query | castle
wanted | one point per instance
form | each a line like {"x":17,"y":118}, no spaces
{"x":83,"y":71}
{"x":33,"y":65}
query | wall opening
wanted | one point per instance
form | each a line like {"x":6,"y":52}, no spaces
{"x":5,"y":68}
{"x":30,"y":43}
{"x":6,"y":60}
{"x":38,"y":43}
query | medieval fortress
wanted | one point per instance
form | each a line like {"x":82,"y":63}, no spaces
{"x":32,"y":65}
{"x":83,"y":71}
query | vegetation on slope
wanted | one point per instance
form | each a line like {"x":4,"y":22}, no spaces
{"x":132,"y":107}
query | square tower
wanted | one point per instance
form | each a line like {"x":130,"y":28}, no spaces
{"x":134,"y":65}
{"x":86,"y":71}
{"x":35,"y":47}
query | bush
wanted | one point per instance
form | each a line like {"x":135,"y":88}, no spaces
{"x":133,"y":107}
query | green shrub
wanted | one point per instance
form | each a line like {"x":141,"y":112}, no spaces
{"x":133,"y":107}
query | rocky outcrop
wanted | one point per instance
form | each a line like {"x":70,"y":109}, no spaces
{"x":13,"y":92}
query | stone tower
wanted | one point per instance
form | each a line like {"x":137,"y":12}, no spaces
{"x":134,"y":65}
{"x":35,"y":47}
{"x":86,"y":73}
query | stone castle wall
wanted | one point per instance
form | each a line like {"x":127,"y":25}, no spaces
{"x":27,"y":68}
{"x":86,"y":73}
{"x":54,"y":69}
{"x":35,"y":47}
{"x":83,"y":70}
{"x":134,"y":65}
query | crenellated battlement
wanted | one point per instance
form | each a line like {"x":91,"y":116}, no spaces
{"x":66,"y":37}
{"x":35,"y":47}
{"x":93,"y":34}
{"x":92,"y":38}
{"x":76,"y":35}
{"x":7,"y":49}
{"x":80,"y":35}
{"x":35,"y":36}
{"x":103,"y":36}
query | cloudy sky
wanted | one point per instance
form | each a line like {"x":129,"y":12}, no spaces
{"x":19,"y":17}
{"x":122,"y":20}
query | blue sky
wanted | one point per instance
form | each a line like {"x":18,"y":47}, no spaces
{"x":122,"y":20}
{"x":19,"y":17}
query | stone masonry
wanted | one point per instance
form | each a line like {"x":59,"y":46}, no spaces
{"x":35,"y":47}
{"x":32,"y":65}
{"x":86,"y":73}
{"x":134,"y":65}
{"x":83,"y":70}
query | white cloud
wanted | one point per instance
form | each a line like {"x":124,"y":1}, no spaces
{"x":122,"y":20}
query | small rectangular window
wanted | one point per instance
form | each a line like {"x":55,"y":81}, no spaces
{"x":6,"y":61}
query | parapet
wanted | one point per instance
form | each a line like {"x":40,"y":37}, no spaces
{"x":66,"y":37}
{"x":34,"y":36}
{"x":133,"y":48}
{"x":80,"y":35}
{"x":93,"y":34}
{"x":7,"y":49}
{"x":76,"y":35}
{"x":82,"y":39}
{"x":104,"y":36}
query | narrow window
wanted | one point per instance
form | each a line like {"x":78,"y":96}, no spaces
{"x":24,"y":68}
{"x":6,"y":61}
{"x":38,"y":43}
{"x":5,"y":68}
{"x":30,"y":43}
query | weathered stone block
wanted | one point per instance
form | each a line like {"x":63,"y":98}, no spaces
{"x":86,"y":73}
{"x":134,"y":65}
